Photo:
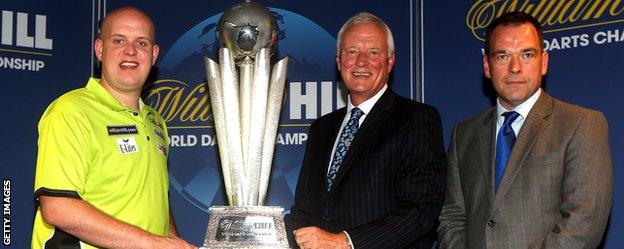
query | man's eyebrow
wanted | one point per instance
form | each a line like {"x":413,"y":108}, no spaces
{"x":138,"y":38}
{"x":529,"y":50}
{"x":524,"y":50}
{"x":500,"y":51}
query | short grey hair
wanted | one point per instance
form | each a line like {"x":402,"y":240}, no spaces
{"x":364,"y":17}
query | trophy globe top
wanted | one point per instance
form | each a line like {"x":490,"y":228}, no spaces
{"x":245,"y":28}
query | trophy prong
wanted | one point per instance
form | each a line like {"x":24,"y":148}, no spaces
{"x":229,"y":85}
{"x":274,"y":104}
{"x":246,"y":81}
{"x":259,"y":96}
{"x":216,"y":98}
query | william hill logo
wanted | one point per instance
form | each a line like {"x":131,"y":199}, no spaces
{"x":554,"y":15}
{"x":178,"y":102}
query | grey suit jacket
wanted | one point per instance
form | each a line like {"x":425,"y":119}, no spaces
{"x":556,"y":189}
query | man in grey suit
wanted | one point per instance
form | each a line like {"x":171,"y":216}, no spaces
{"x":533,"y":171}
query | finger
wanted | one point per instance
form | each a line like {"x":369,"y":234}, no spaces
{"x":302,"y":232}
{"x":299,"y":239}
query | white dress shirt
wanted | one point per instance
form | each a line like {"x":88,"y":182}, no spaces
{"x":522,"y":109}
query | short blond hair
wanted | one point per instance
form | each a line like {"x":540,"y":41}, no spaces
{"x":364,"y":17}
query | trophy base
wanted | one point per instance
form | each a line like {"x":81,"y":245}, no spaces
{"x":246,"y":227}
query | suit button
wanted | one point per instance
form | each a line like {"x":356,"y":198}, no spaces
{"x":326,"y":218}
{"x":491,"y":223}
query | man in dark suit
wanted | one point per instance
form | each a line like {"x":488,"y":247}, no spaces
{"x":373,"y":172}
{"x":550,"y":187}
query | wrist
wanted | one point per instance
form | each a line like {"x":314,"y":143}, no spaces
{"x":346,"y":239}
{"x":150,"y":241}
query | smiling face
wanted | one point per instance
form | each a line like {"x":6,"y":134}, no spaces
{"x":363,"y":60}
{"x":127,"y":50}
{"x":515,"y":63}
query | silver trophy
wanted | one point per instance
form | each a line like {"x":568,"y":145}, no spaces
{"x":246,"y":107}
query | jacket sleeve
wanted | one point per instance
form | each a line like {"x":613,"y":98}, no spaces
{"x":299,"y":214}
{"x":452,"y":228}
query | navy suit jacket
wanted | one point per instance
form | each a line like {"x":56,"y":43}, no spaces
{"x":390,"y":187}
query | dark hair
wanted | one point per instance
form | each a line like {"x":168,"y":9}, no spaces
{"x":514,"y":18}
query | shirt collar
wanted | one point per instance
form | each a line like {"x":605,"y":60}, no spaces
{"x":367,"y":105}
{"x":94,"y":86}
{"x":522,"y":109}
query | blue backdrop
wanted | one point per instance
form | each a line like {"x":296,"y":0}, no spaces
{"x":46,"y":50}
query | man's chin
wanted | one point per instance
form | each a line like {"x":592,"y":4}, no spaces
{"x":359,"y":84}
{"x":132,"y":82}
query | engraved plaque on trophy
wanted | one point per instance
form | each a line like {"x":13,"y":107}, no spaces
{"x":246,"y":95}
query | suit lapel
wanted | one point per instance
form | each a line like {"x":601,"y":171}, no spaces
{"x":368,"y":131}
{"x":532,"y":127}
{"x":330,"y":133}
{"x":486,"y":152}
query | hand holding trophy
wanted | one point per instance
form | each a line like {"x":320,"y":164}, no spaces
{"x":246,"y":106}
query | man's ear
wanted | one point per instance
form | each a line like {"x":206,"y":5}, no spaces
{"x":544,"y":63}
{"x":338,"y":62}
{"x":155,"y":51}
{"x":391,"y":62}
{"x":98,"y":49}
{"x":486,"y":67}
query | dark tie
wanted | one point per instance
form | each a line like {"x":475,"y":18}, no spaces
{"x":346,"y":136}
{"x":504,"y":143}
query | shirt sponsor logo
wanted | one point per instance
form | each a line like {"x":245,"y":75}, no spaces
{"x":121,"y":130}
{"x":127,"y":145}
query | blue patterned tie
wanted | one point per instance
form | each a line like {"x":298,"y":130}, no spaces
{"x":504,"y":143}
{"x":348,"y":132}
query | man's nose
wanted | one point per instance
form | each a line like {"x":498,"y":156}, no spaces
{"x":515,"y":65}
{"x":129,"y":49}
{"x":362,"y":59}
